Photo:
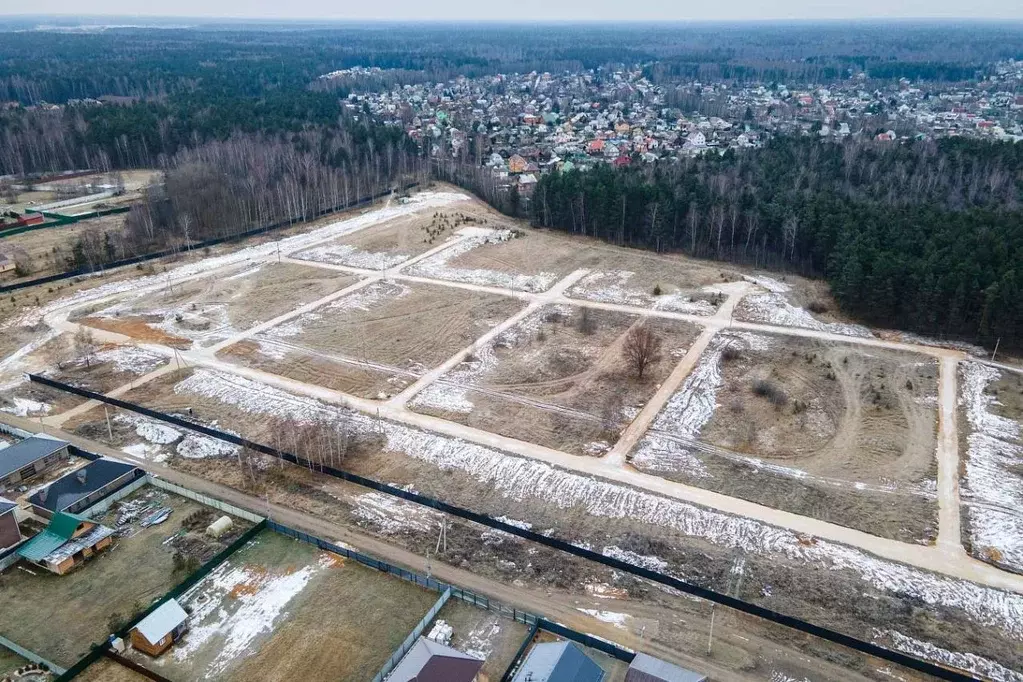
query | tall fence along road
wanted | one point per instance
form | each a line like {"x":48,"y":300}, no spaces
{"x":798,"y":624}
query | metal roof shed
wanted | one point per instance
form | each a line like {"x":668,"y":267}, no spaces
{"x":558,"y":662}
{"x":646,"y":668}
{"x":430,"y":661}
{"x":164,"y":620}
{"x":61,"y":529}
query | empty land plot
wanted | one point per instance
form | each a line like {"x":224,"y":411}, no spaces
{"x":672,"y":283}
{"x":991,"y":443}
{"x":384,"y":246}
{"x":397,"y":325}
{"x":821,"y":429}
{"x":336,"y":372}
{"x":10,"y":661}
{"x":513,"y":258}
{"x":483,"y":634}
{"x":279,"y":609}
{"x":558,"y":379}
{"x":213,"y":308}
{"x":59,"y":617}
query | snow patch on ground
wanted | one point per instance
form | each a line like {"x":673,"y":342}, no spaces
{"x":233,"y":607}
{"x":770,"y":283}
{"x":132,"y":359}
{"x":23,"y":407}
{"x":437,"y":265}
{"x":16,"y":363}
{"x":364,"y":299}
{"x":392,"y":515}
{"x":644,"y":560}
{"x":524,"y":479}
{"x":494,"y":537}
{"x":346,"y":254}
{"x":971,"y":663}
{"x":479,"y":642}
{"x":992,"y":486}
{"x":616,"y":619}
{"x":774,"y":308}
{"x":197,"y":446}
{"x":154,"y":432}
{"x":612,"y":287}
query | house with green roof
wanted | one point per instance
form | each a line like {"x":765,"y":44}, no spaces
{"x":69,"y":540}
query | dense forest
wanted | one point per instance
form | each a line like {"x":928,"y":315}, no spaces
{"x":925,"y":236}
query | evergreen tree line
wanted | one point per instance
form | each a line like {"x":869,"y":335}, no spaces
{"x":926,"y":237}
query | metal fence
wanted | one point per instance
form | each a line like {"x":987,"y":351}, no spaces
{"x":30,"y":656}
{"x":205,"y":499}
{"x":410,"y":641}
{"x":107,"y":502}
{"x":770,"y":615}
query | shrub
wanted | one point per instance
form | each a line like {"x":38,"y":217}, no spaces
{"x":730,"y":353}
{"x":766,"y":389}
{"x":817,"y":306}
{"x":657,"y":290}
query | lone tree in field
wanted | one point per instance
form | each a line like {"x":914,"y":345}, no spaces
{"x":642,"y":348}
{"x":85,"y":346}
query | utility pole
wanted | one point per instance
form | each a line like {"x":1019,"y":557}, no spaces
{"x":110,"y":431}
{"x":995,"y":352}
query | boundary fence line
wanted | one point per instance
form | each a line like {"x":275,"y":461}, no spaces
{"x":81,"y":272}
{"x":410,"y":641}
{"x":225,"y":507}
{"x":132,"y":665}
{"x":107,"y":502}
{"x":513,"y":666}
{"x":791,"y":622}
{"x":30,"y":655}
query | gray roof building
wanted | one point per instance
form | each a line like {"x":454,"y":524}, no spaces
{"x":31,"y":450}
{"x":6,"y":505}
{"x":430,"y":661}
{"x":167,"y":618}
{"x":84,"y":486}
{"x":558,"y":662}
{"x":646,"y":668}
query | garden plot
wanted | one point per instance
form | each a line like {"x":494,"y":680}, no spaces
{"x":991,"y":414}
{"x":558,"y":379}
{"x":207,"y":310}
{"x":647,"y":280}
{"x":483,"y":634}
{"x":59,"y":617}
{"x":820,"y":429}
{"x":786,"y":305}
{"x":392,"y":327}
{"x":281,"y":609}
{"x":384,"y":246}
{"x":106,"y":670}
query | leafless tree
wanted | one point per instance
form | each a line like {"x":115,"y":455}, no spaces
{"x":641,"y":349}
{"x":85,"y":346}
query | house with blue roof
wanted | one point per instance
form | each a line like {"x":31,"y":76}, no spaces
{"x":558,"y":662}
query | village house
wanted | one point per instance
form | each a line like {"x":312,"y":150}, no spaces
{"x":646,"y":668}
{"x":29,"y":458}
{"x":83,"y":487}
{"x":558,"y":662}
{"x":10,"y":533}
{"x":68,"y":541}
{"x":430,"y":661}
{"x":160,"y":629}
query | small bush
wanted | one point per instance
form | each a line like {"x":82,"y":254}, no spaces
{"x":586,"y":323}
{"x":657,"y":290}
{"x":730,"y":354}
{"x":766,"y":389}
{"x":817,"y":307}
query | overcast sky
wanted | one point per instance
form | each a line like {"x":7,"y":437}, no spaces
{"x":532,"y":10}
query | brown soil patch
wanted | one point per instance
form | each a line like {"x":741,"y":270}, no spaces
{"x":137,"y":328}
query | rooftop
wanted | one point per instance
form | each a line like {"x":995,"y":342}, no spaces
{"x":62,"y":527}
{"x":430,"y":661}
{"x":162,"y":621}
{"x":6,"y":505}
{"x":26,"y":452}
{"x":662,"y":671}
{"x":558,"y":662}
{"x":65,"y":491}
